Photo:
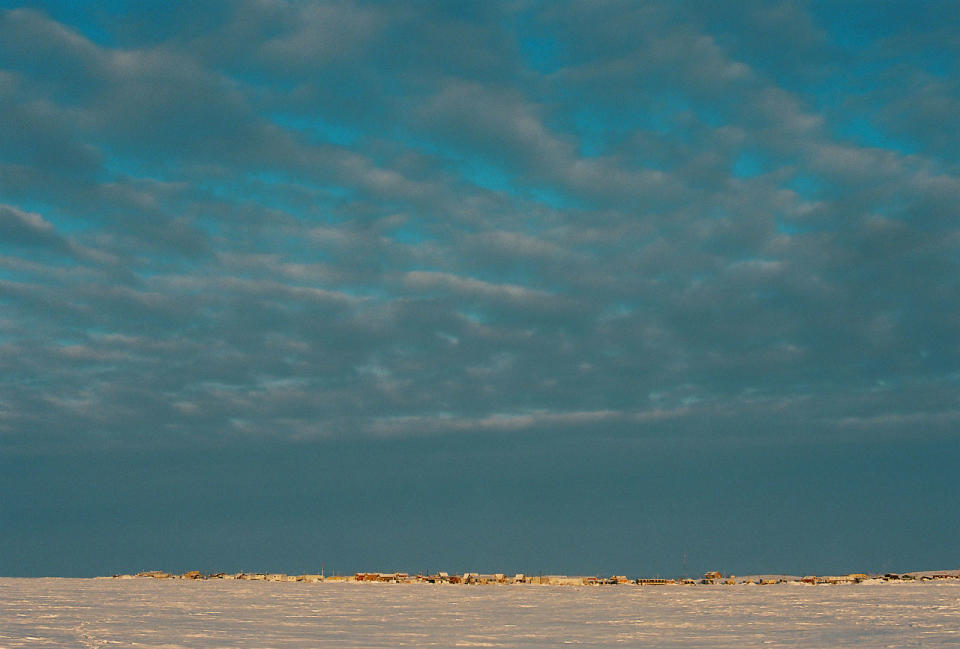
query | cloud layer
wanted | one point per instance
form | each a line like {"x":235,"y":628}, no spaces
{"x":314,"y":220}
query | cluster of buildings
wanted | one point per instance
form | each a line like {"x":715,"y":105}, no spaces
{"x":552,"y":580}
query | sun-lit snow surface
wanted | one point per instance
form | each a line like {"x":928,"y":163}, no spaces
{"x":176,"y":614}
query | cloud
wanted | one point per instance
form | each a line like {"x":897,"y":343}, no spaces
{"x":469,"y":286}
{"x":512,"y":422}
{"x":323,"y":32}
{"x":27,"y":228}
{"x":351,"y":219}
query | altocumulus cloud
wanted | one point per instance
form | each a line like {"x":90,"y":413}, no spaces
{"x":352,"y":219}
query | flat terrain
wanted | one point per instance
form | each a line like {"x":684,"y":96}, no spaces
{"x":235,"y":614}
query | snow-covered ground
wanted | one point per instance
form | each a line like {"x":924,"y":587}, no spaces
{"x":236,"y":614}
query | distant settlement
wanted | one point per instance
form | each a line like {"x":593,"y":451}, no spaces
{"x":710,"y":578}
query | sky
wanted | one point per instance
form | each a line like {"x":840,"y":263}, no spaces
{"x":565,"y":287}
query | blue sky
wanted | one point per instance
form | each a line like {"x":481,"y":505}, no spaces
{"x":559,"y":287}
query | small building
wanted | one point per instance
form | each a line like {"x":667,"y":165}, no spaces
{"x":310,"y":579}
{"x":155,"y":574}
{"x":562,"y":580}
